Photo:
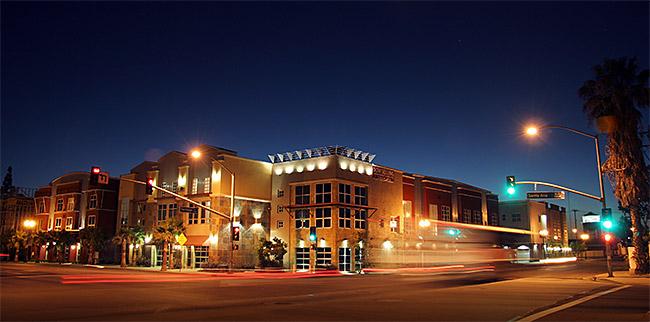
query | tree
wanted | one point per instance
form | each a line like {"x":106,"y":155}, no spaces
{"x":18,"y":241}
{"x":166,"y":233}
{"x":615,"y":98}
{"x":7,"y":182}
{"x":94,"y":240}
{"x":272,"y":252}
{"x":128,"y":235}
{"x":62,"y":240}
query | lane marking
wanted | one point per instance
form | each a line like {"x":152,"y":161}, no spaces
{"x":564,"y":306}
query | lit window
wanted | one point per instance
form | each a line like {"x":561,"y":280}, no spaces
{"x":172,"y":210}
{"x":433,"y":211}
{"x":323,"y":193}
{"x":394,"y":224}
{"x":92,"y":204}
{"x":70,"y":204}
{"x":445,"y":213}
{"x":162,"y":213}
{"x":478,"y":217}
{"x":91,"y":221}
{"x":68,"y":223}
{"x":361,"y":196}
{"x":302,"y":195}
{"x":124,"y":212}
{"x":57,"y":223}
{"x":195,"y":186}
{"x":59,"y":205}
{"x":467,"y":214}
{"x":345,"y":264}
{"x":323,"y":217}
{"x":206,"y":185}
{"x":360,"y":218}
{"x":302,"y":218}
{"x":41,"y":207}
{"x":345,"y":193}
{"x":323,"y":257}
{"x":174,"y":186}
{"x":345,"y":217}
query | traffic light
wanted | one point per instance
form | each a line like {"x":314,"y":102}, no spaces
{"x":606,"y":219}
{"x":235,"y":233}
{"x":510,"y":183}
{"x":453,"y":232}
{"x":149,"y":189}
{"x":312,"y":234}
{"x":94,"y":174}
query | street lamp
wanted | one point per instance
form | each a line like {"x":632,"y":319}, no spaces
{"x":196,"y":154}
{"x":534,"y":130}
{"x":29,"y":223}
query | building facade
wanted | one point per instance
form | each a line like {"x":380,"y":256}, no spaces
{"x":362,"y":213}
{"x":205,"y":179}
{"x":71,"y":203}
{"x":546,"y":222}
{"x":15,"y":208}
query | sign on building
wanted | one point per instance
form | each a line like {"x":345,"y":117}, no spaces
{"x":382,"y":174}
{"x":192,"y":210}
{"x":590,"y":218}
{"x":102,"y":178}
{"x":545,"y":195}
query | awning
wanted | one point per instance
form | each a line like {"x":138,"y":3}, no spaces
{"x":197,"y":241}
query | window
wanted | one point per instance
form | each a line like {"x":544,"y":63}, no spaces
{"x":172,"y":210}
{"x":494,"y":220}
{"x":302,"y":195}
{"x":445,"y":213}
{"x":57,"y":223}
{"x":200,"y":216}
{"x":323,"y":256}
{"x":345,"y":217}
{"x":323,"y":192}
{"x":41,"y":207}
{"x":206,"y":185}
{"x":195,"y":186}
{"x":201,"y":254}
{"x":358,"y":259}
{"x":124,"y":211}
{"x":516,"y":217}
{"x":467,"y":214}
{"x":345,"y":193}
{"x":68,"y":223}
{"x":360,"y":216}
{"x":92,"y":204}
{"x":193,"y":218}
{"x":162,"y":212}
{"x":503,"y":217}
{"x":344,"y":260}
{"x":302,"y":218}
{"x":394,"y":224}
{"x":70,"y":204}
{"x":59,"y":205}
{"x":478,"y":217}
{"x":280,"y":193}
{"x":323,"y":217}
{"x":280,"y":224}
{"x":91,"y":221}
{"x":361,"y":196}
{"x":302,"y":258}
{"x":433,"y":211}
{"x":174,"y":186}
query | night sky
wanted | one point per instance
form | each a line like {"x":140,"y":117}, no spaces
{"x":432,"y":88}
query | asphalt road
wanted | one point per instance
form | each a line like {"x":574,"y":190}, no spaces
{"x":52,"y":292}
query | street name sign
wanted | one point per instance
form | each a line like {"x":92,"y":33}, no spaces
{"x":545,"y":195}
{"x":191,"y":210}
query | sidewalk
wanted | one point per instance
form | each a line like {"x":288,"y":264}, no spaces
{"x":625,"y":277}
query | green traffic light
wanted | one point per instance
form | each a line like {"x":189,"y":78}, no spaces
{"x":608,"y":224}
{"x":511,"y":190}
{"x":453,"y":232}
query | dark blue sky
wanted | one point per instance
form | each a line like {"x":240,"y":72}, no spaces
{"x":433,"y":88}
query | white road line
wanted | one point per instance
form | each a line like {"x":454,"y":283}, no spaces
{"x":552,"y":310}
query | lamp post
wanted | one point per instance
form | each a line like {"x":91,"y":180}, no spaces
{"x":534,"y":130}
{"x":196,"y":154}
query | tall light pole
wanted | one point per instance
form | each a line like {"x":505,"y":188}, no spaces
{"x":534,"y":130}
{"x":196,"y":154}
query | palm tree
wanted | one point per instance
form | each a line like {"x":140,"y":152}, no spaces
{"x":619,"y":92}
{"x":138,"y":239}
{"x":63,"y":240}
{"x":128,"y":235}
{"x":41,"y":238}
{"x":93,"y":239}
{"x":18,"y":241}
{"x":166,"y":233}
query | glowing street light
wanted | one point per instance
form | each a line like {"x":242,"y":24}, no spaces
{"x":195,"y":154}
{"x":584,"y":236}
{"x":424,"y":223}
{"x":29,"y":223}
{"x":532,"y":131}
